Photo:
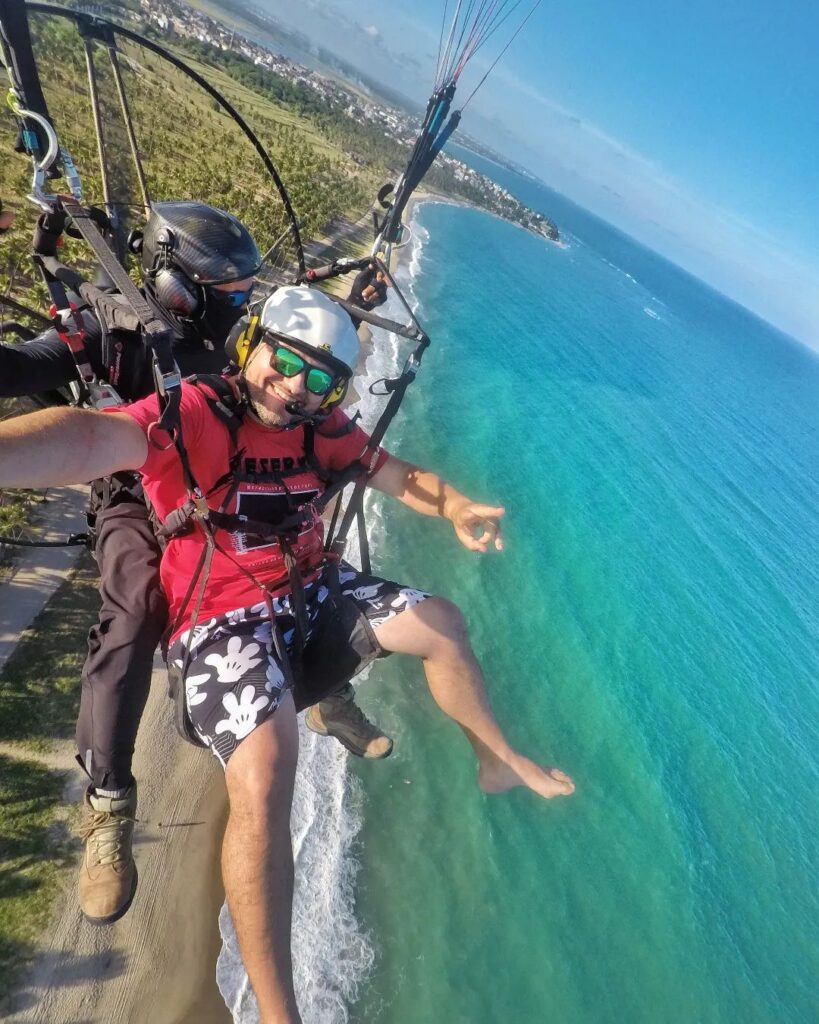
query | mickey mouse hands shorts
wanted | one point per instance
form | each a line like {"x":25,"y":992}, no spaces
{"x":234,"y":680}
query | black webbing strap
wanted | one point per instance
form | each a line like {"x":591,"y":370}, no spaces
{"x":298,"y":601}
{"x":354,"y":511}
{"x":86,"y":226}
{"x":157,"y":334}
{"x":363,"y":540}
{"x":18,"y":54}
{"x":73,"y":540}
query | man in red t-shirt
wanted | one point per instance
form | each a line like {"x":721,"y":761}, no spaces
{"x":295,"y":365}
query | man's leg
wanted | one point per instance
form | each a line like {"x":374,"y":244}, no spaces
{"x":434,"y":631}
{"x":236,"y":701}
{"x":257,"y":859}
{"x":115,"y":684}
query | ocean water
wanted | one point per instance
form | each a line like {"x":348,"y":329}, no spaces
{"x":651,"y":628}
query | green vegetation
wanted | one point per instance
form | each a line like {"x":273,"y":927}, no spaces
{"x":31,"y":856}
{"x":332,"y":163}
{"x":17,"y":515}
{"x":189,"y":149}
{"x":39,"y":693}
{"x":365,"y":143}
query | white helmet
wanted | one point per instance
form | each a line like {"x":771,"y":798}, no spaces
{"x":311,"y":322}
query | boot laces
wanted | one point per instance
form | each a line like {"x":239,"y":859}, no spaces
{"x":345,"y":704}
{"x":106,"y":834}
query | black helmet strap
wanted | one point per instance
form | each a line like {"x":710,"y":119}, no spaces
{"x":164,"y":247}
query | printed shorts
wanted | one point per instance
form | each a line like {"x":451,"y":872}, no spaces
{"x":234,"y":680}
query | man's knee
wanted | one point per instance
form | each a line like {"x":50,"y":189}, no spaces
{"x":139,"y":629}
{"x":432,"y":628}
{"x":260,"y":774}
{"x":446,"y":623}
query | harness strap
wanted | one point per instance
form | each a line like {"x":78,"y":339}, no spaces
{"x":230,"y":412}
{"x":195,"y":512}
{"x":225,"y":406}
{"x":202,"y":566}
{"x":180,"y":521}
{"x":157,"y":334}
{"x":298,"y":600}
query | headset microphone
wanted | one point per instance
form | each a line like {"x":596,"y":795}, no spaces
{"x":301,"y":416}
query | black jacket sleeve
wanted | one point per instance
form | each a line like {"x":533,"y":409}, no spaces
{"x":362,"y":279}
{"x":45,"y":363}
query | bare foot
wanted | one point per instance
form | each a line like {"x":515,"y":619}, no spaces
{"x":499,"y":776}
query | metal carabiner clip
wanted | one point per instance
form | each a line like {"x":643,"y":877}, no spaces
{"x":38,"y":194}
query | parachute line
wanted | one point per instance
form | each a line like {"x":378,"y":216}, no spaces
{"x":441,"y":41}
{"x":514,"y":36}
{"x":497,"y":26}
{"x":472,"y":25}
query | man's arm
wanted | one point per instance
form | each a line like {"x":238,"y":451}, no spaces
{"x":476,"y":525}
{"x":68,"y":446}
{"x":45,"y":362}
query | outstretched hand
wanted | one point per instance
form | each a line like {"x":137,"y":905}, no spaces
{"x":477,"y":526}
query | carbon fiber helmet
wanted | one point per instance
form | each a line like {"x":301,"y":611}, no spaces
{"x":187,"y":244}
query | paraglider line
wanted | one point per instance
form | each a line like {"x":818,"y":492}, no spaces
{"x":503,"y":51}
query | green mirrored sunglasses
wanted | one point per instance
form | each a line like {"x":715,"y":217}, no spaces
{"x":290,"y":364}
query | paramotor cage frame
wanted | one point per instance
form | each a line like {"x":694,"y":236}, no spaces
{"x":93,"y":28}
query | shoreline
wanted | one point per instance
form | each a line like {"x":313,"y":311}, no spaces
{"x":420,"y":198}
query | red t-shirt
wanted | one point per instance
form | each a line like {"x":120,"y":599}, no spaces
{"x":261,"y":450}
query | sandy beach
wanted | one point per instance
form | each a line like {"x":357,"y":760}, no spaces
{"x":157,"y":964}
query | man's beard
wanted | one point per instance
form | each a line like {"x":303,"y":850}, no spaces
{"x":267,"y":417}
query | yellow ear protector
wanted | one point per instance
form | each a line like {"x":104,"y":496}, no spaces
{"x":335,"y":396}
{"x":242,"y":340}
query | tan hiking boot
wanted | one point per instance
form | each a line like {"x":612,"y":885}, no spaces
{"x":338,"y":715}
{"x":108,"y":876}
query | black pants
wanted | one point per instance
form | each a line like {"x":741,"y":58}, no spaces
{"x":116,"y":676}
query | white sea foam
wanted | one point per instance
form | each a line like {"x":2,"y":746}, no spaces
{"x":620,"y":270}
{"x":332,"y":955}
{"x":652,"y":313}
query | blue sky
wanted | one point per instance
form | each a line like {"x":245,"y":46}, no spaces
{"x":692,"y":125}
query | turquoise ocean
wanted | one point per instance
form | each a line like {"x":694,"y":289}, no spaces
{"x":651,"y":628}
